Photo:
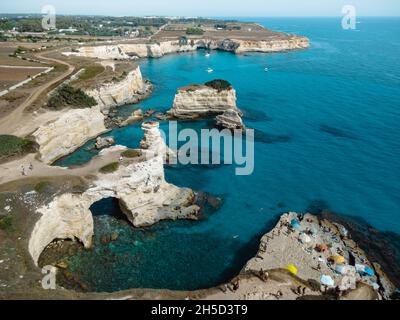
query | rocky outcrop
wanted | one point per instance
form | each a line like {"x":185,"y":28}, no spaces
{"x":104,"y":142}
{"x":119,"y":93}
{"x":156,"y":50}
{"x":70,"y":131}
{"x":153,"y":141}
{"x":318,"y":251}
{"x":230,"y":119}
{"x":138,"y":183}
{"x":291,"y":43}
{"x":100,"y":52}
{"x":198,"y":101}
{"x":136,"y":116}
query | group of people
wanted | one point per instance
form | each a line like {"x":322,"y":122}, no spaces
{"x":30,"y":167}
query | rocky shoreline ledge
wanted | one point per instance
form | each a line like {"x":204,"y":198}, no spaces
{"x":304,"y":257}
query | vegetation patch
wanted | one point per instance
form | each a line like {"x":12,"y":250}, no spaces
{"x":109,"y":168}
{"x":68,"y":96}
{"x":194,"y":31}
{"x":12,"y":145}
{"x":6,"y":223}
{"x":41,"y":186}
{"x":131,"y":153}
{"x":219,"y":84}
{"x":90,"y":72}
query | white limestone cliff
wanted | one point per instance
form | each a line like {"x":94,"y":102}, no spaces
{"x":156,"y":50}
{"x":119,"y":93}
{"x":139,"y":184}
{"x":70,"y":131}
{"x":200,"y":100}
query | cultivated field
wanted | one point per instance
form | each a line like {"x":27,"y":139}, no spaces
{"x":8,"y":48}
{"x":11,"y":75}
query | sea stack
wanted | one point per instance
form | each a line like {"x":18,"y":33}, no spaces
{"x":230,"y":119}
{"x":214,"y":98}
{"x":200,"y":101}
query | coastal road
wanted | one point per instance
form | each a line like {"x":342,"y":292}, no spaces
{"x":13,"y":121}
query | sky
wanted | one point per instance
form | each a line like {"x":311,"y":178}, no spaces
{"x":205,"y":8}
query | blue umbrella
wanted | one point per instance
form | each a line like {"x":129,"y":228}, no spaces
{"x":369,"y":271}
{"x":295,"y":224}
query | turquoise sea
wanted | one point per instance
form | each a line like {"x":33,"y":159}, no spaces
{"x":327,"y":123}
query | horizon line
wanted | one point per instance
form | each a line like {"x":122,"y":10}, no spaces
{"x":191,"y":17}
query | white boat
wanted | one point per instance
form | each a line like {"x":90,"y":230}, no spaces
{"x":209,"y":70}
{"x":207,"y":55}
{"x":266,"y":69}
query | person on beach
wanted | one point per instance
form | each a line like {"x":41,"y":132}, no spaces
{"x":30,"y":166}
{"x":23,"y":171}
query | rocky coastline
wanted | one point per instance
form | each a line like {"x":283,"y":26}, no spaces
{"x":157,"y":50}
{"x":84,"y":124}
{"x":302,"y":257}
{"x":138,"y":183}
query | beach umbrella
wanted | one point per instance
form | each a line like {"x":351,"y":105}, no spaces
{"x":360,"y":268}
{"x":345,"y":269}
{"x":304,"y":238}
{"x":327,"y":281}
{"x":321,"y":248}
{"x":340,"y":269}
{"x":338,"y":259}
{"x":292,"y":269}
{"x":295,"y":224}
{"x":369,"y":271}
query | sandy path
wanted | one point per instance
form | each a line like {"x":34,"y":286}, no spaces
{"x":20,"y":122}
{"x":12,"y":170}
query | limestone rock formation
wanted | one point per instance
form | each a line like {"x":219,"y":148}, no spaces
{"x":104,"y":142}
{"x":230,"y":119}
{"x":120,"y":93}
{"x":156,"y":50}
{"x":70,"y":131}
{"x":198,"y":101}
{"x":138,"y":183}
{"x":340,"y":259}
{"x":136,"y":115}
{"x":153,"y":142}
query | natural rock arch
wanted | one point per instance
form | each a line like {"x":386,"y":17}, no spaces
{"x":140,"y":186}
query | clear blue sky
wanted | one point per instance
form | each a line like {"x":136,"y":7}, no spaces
{"x":206,"y":7}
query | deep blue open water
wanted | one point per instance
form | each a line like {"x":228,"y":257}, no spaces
{"x":327,"y":123}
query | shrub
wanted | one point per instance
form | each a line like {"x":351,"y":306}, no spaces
{"x":131,"y":153}
{"x":109,"y":168}
{"x":12,"y":145}
{"x":71,"y":97}
{"x":6,"y":223}
{"x":41,"y":186}
{"x":219,"y":85}
{"x":195,"y":31}
{"x":90,"y":72}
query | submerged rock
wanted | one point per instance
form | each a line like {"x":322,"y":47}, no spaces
{"x":230,"y":119}
{"x":104,"y":142}
{"x":136,"y":116}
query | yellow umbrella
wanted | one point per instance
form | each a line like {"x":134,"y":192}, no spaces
{"x":338,"y":259}
{"x":292,"y":269}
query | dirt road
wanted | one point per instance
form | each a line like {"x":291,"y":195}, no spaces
{"x":13,"y":122}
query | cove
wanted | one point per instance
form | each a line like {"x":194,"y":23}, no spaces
{"x":326,"y":123}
